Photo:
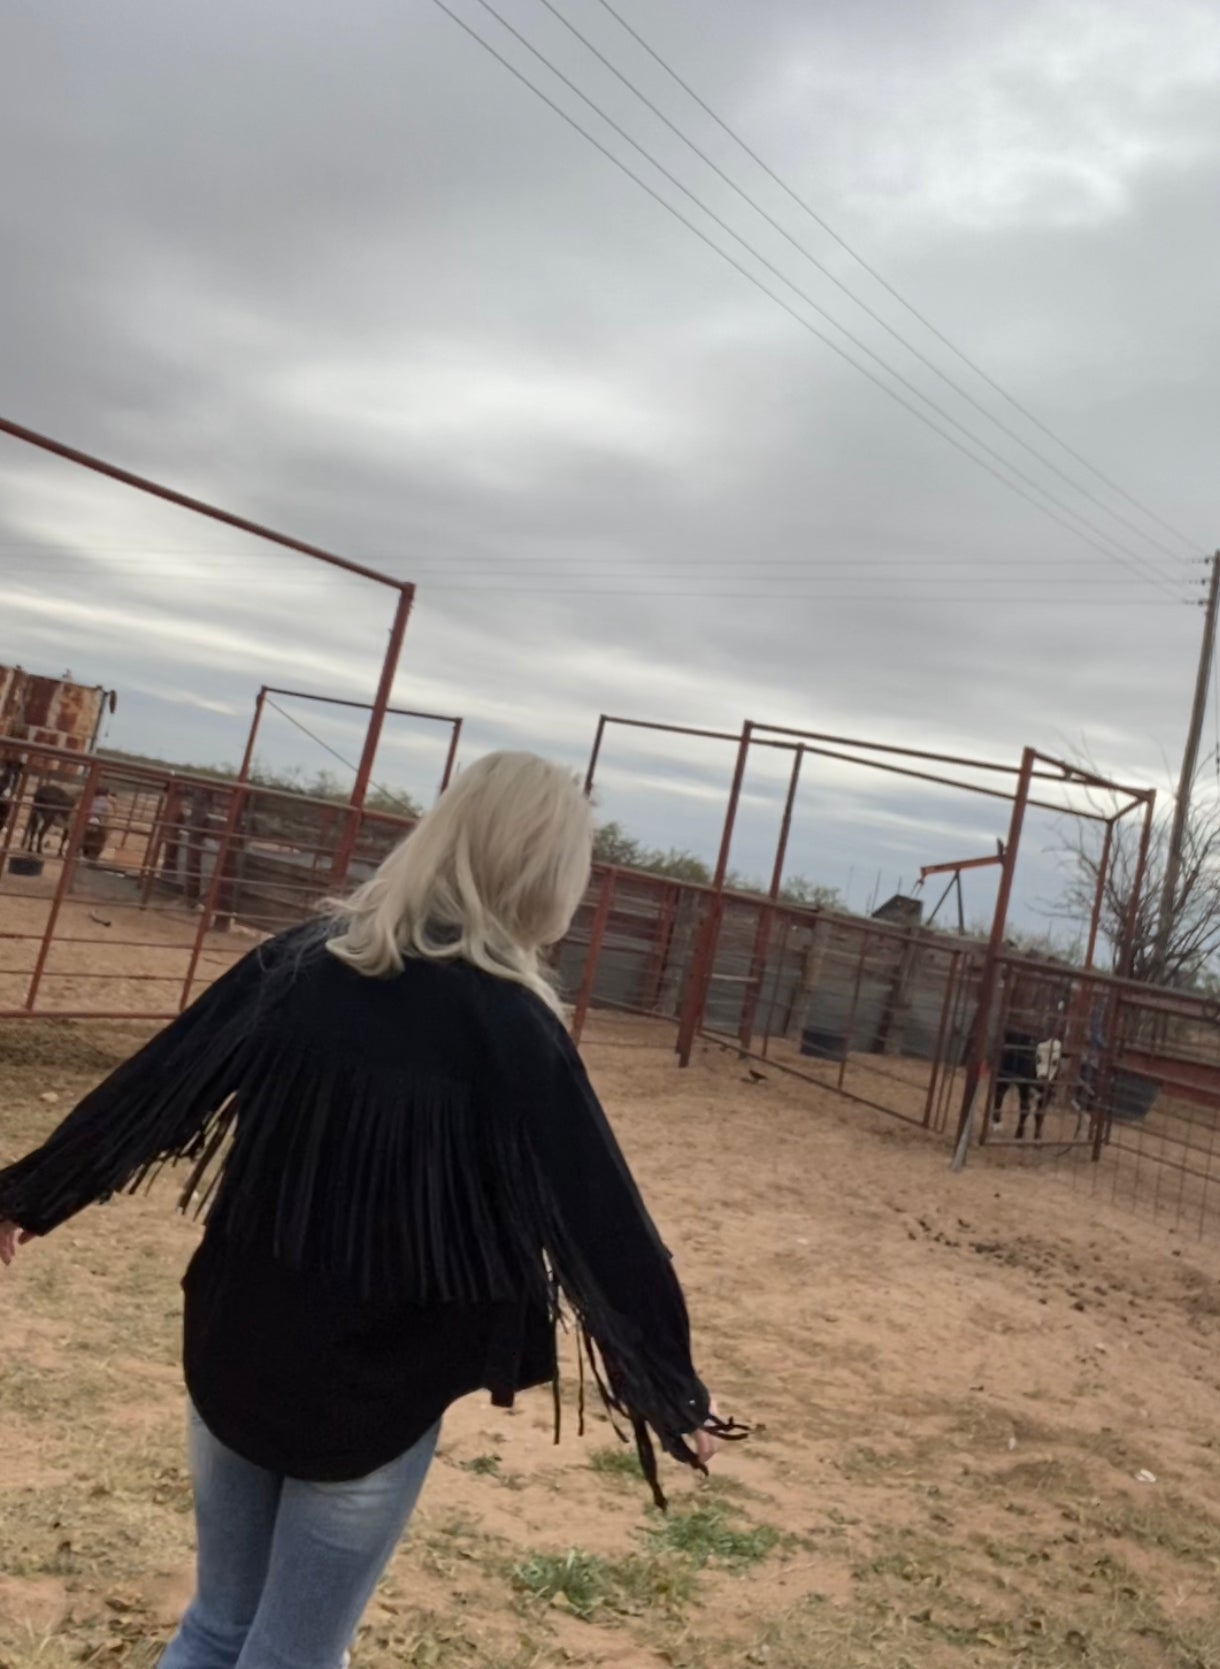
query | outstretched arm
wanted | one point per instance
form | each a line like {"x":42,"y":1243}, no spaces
{"x":155,"y":1106}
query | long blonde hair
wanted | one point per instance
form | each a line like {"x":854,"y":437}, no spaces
{"x":492,"y":875}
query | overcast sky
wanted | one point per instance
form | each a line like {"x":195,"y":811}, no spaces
{"x":336,"y":269}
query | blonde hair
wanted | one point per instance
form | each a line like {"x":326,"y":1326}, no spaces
{"x":492,"y":875}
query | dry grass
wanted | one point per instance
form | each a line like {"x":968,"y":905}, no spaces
{"x":944,"y":1472}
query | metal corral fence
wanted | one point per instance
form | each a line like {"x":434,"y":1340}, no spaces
{"x":124,"y":890}
{"x":1135,"y":1107}
{"x":140,"y":896}
{"x":1119,"y":1083}
{"x":877,"y":1012}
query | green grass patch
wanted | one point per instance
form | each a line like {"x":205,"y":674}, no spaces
{"x":589,"y":1583}
{"x":706,"y":1535}
{"x":619,"y":1462}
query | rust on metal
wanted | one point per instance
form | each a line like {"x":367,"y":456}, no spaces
{"x":37,"y":711}
{"x":758,"y":958}
{"x":597,"y":934}
{"x":977,"y":1054}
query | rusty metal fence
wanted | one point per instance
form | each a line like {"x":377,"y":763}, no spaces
{"x":1133,"y":1113}
{"x":879,"y":1013}
{"x":1119,"y":1083}
{"x":131,"y":906}
{"x":124,"y":890}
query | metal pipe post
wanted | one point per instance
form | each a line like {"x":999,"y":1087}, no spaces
{"x":703,"y":962}
{"x":598,"y":739}
{"x":451,"y":756}
{"x":152,"y":844}
{"x":730,"y":816}
{"x":377,"y":714}
{"x":766,"y":913}
{"x":237,"y":799}
{"x":80,"y":818}
{"x":597,"y":933}
{"x":260,"y":702}
{"x":977,"y":1057}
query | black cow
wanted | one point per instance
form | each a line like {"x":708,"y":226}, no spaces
{"x":1032,"y":1065}
{"x":51,"y":808}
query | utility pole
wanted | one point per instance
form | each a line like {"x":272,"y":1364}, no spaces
{"x":1186,"y":782}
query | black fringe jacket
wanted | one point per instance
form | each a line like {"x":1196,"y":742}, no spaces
{"x":412,"y":1172}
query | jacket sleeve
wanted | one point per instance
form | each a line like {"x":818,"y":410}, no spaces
{"x":160,"y":1105}
{"x":603,"y":1250}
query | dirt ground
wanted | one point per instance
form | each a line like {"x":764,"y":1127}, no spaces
{"x":986,"y":1410}
{"x":109,"y":955}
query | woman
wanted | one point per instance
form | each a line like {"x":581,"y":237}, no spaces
{"x":404,"y":1170}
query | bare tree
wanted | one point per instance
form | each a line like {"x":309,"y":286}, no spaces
{"x":1194,"y":929}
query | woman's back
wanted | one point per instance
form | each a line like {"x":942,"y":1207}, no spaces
{"x":343,"y":1295}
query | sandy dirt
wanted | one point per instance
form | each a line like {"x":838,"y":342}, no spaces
{"x":956,"y":1384}
{"x":109,"y":953}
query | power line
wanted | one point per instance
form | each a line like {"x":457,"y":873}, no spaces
{"x":161,"y":550}
{"x":889,"y":288}
{"x":878,"y":593}
{"x":857,"y":342}
{"x":541,"y":563}
{"x":939,"y":599}
{"x":877,"y":589}
{"x":871,"y":312}
{"x":1092,"y":537}
{"x":531,"y":581}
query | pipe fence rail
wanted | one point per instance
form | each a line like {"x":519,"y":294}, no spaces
{"x":126,"y":904}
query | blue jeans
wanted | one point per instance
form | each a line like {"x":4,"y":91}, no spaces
{"x":285,"y":1568}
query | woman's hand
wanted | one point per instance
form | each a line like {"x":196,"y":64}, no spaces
{"x":706,"y":1444}
{"x":10,"y":1238}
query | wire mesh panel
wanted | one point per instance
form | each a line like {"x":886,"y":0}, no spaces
{"x":1130,"y":1109}
{"x":125,"y":890}
{"x":1156,"y":1094}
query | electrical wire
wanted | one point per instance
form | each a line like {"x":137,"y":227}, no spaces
{"x":539,"y":563}
{"x":889,"y":288}
{"x":880,"y":586}
{"x":878,"y":318}
{"x":642,"y":584}
{"x":1127,"y":558}
{"x":126,"y":550}
{"x":938,"y":598}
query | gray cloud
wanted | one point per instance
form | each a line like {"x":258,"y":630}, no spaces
{"x":349,"y":277}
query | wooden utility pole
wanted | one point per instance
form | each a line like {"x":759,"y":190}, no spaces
{"x":1186,"y":782}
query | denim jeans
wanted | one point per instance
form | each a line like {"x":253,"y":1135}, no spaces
{"x":286,"y":1568}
